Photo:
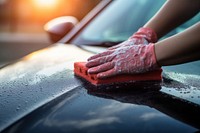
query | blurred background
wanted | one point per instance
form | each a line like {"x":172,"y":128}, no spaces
{"x":22,"y":21}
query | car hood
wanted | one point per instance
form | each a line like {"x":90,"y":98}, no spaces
{"x":46,"y":75}
{"x":37,"y":79}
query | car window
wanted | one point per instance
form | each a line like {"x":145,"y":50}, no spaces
{"x":120,"y":20}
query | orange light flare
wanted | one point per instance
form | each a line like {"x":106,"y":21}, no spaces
{"x":45,"y":3}
{"x":44,"y":10}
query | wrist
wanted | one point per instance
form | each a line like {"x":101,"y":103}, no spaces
{"x":154,"y":61}
{"x":146,"y":33}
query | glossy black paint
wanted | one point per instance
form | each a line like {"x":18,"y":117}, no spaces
{"x":132,"y":109}
{"x":79,"y":107}
{"x":35,"y":80}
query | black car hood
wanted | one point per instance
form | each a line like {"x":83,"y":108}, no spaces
{"x":46,"y":75}
{"x":37,"y":79}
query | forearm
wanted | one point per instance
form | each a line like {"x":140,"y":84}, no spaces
{"x":181,"y":48}
{"x":172,"y":14}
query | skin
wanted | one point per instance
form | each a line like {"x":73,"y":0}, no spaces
{"x":172,"y":14}
{"x":181,"y":48}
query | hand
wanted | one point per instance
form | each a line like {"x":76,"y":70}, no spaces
{"x":142,"y":36}
{"x":123,"y":60}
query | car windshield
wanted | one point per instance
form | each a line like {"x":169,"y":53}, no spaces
{"x":120,"y":20}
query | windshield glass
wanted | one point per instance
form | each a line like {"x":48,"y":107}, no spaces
{"x":120,"y":20}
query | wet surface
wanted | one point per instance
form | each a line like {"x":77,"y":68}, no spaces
{"x":34,"y":81}
{"x":88,"y":109}
{"x":25,"y":95}
{"x":44,"y":82}
{"x":183,"y":81}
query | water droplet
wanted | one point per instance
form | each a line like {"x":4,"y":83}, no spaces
{"x":18,"y":108}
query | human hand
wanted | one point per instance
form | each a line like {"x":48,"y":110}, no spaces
{"x":142,"y":36}
{"x":123,"y":60}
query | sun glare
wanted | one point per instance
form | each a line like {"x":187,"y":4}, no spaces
{"x":45,"y":3}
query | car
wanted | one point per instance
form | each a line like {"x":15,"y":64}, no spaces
{"x":40,"y":93}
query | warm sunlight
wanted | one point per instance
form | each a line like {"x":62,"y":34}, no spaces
{"x":45,"y":3}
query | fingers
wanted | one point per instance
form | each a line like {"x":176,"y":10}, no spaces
{"x":124,"y":44}
{"x":100,"y":55}
{"x":99,"y":61}
{"x":107,"y":74}
{"x":101,"y":68}
{"x":114,"y":47}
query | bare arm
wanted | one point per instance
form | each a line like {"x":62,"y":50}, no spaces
{"x":172,"y":14}
{"x":132,"y":59}
{"x":180,"y":48}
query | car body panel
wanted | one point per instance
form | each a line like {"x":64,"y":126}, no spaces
{"x":50,"y":75}
{"x":87,"y":109}
{"x":30,"y":82}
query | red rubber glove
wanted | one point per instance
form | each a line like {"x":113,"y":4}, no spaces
{"x":124,"y":60}
{"x":142,"y":36}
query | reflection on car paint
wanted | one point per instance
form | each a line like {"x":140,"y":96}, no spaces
{"x":88,"y":109}
{"x":185,"y":86}
{"x":25,"y":89}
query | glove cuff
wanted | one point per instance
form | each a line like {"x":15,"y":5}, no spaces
{"x":154,"y":64}
{"x":147,"y":33}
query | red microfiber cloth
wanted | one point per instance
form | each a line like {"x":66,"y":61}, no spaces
{"x":81,"y":70}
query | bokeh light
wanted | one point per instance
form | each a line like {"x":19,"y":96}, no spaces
{"x":45,"y":3}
